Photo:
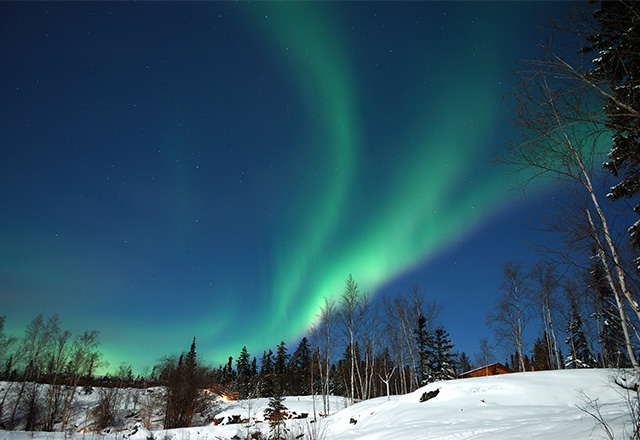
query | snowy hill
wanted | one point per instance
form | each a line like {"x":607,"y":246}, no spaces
{"x":539,"y":405}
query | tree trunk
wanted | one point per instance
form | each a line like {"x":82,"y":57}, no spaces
{"x":616,"y":295}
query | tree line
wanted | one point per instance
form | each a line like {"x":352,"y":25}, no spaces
{"x":579,"y":325}
{"x":358,"y":348}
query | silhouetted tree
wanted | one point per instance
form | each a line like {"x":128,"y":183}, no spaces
{"x":580,"y":355}
{"x":423,"y":344}
{"x":244,"y":378}
{"x":610,"y":331}
{"x":267,"y":381}
{"x":616,"y":69}
{"x":276,"y":413}
{"x":441,"y":359}
{"x":509,"y":316}
{"x":300,"y":367}
{"x":281,"y":369}
{"x":541,"y":359}
{"x":464,"y":363}
{"x":183,"y":390}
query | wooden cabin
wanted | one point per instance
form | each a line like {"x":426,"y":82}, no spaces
{"x":488,"y":370}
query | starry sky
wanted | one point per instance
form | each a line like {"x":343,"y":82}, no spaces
{"x":215,"y":169}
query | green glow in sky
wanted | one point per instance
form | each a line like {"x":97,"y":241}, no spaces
{"x":431,"y":198}
{"x":323,"y":79}
{"x":216,"y":169}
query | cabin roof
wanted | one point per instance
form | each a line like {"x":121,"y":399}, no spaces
{"x":484,"y":367}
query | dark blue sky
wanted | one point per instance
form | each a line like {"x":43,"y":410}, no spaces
{"x":203,"y":169}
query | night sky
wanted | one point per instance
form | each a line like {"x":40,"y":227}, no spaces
{"x":172,"y":170}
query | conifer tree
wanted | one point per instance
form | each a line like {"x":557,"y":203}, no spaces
{"x":617,"y":65}
{"x":243,"y":367}
{"x":228,"y":373}
{"x":527,"y":363}
{"x":300,"y":367}
{"x":441,"y":359}
{"x":541,"y":359}
{"x":580,"y":355}
{"x":276,"y":413}
{"x":464,"y":363}
{"x":281,"y":368}
{"x":423,"y":343}
{"x":610,"y":334}
{"x":267,"y":385}
{"x":183,"y":390}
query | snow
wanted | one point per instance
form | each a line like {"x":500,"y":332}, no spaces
{"x":545,"y":405}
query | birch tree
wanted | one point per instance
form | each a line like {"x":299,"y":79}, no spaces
{"x":37,"y":339}
{"x":84,"y":357}
{"x":509,"y":316}
{"x":558,"y":108}
{"x":546,"y":285}
{"x":324,"y":340}
{"x":350,"y":317}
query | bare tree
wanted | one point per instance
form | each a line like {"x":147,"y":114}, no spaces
{"x":33,"y":347}
{"x":370,"y":331}
{"x":83,"y":358}
{"x":545,"y":295}
{"x":509,"y":316}
{"x":350,"y":315}
{"x":324,"y":338}
{"x":402,"y":312}
{"x":387,"y":378}
{"x":7,"y":357}
{"x":582,"y":243}
{"x":558,"y":109}
{"x":399,"y":331}
{"x":484,"y":355}
{"x":56,"y":364}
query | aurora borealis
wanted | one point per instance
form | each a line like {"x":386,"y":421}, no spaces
{"x":173,"y":170}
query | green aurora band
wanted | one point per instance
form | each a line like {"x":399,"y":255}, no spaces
{"x":431,"y":201}
{"x":348,"y":217}
{"x":326,"y":83}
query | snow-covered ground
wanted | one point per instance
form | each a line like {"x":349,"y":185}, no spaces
{"x":545,"y":405}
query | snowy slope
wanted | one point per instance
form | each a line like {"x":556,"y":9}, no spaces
{"x":540,"y":405}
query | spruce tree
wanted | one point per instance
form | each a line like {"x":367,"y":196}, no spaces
{"x":527,"y":363}
{"x":267,"y":383}
{"x":423,"y":342}
{"x":276,"y":413}
{"x":243,"y":367}
{"x":281,"y":368}
{"x":464,"y":363}
{"x":441,"y":359}
{"x":183,"y":390}
{"x":611,"y":337}
{"x":615,"y":47}
{"x":229,"y":374}
{"x":580,"y":355}
{"x":541,"y":360}
{"x":300,"y":367}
